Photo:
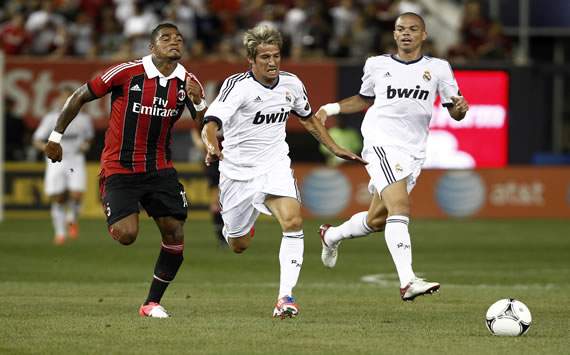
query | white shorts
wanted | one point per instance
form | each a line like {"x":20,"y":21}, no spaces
{"x":67,"y":175}
{"x":386,"y":165}
{"x":242,"y":201}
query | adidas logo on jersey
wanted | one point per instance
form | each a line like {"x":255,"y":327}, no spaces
{"x":387,"y":75}
{"x":257,"y":99}
{"x":135,"y":87}
{"x":407,"y":93}
{"x":270,"y":117}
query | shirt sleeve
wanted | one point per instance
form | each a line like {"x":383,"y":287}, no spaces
{"x":446,"y":85}
{"x":301,"y":106}
{"x":226,"y":103}
{"x":103,"y":83}
{"x":44,"y":129}
{"x":367,"y":87}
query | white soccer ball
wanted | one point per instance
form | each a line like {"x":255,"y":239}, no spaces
{"x":508,"y":317}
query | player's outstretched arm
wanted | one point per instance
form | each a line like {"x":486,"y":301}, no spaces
{"x":70,"y":109}
{"x":351,"y":104}
{"x":321,"y":134}
{"x":211,"y":143}
{"x":459,"y":108}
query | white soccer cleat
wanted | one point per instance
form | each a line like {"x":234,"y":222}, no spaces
{"x":153,"y":310}
{"x":286,"y":307}
{"x":329,"y":253}
{"x":418,"y":287}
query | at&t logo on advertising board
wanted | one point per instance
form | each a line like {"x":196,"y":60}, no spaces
{"x":460,"y":193}
{"x":325,"y":192}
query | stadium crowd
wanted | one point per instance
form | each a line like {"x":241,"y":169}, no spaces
{"x":118,"y":29}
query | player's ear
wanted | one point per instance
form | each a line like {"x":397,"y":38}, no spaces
{"x":424,"y":35}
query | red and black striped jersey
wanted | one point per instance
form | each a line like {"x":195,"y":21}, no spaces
{"x":144,"y":106}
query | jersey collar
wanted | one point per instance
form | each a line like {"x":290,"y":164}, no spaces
{"x":270,"y":87}
{"x":404,"y":62}
{"x":152,"y":72}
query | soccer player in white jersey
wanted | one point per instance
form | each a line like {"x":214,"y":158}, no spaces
{"x":256,"y":176}
{"x":65,"y":182}
{"x":399,"y":91}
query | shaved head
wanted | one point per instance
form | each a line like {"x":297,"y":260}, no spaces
{"x":413,"y":14}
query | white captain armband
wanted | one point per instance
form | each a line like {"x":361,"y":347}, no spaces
{"x":55,"y":137}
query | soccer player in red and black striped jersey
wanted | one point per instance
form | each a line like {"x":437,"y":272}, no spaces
{"x":147,"y":97}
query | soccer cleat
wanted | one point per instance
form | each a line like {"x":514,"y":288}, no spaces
{"x":418,"y":287}
{"x":153,"y":310}
{"x":329,"y":253}
{"x":73,"y":230}
{"x":59,"y":240}
{"x":286,"y":308}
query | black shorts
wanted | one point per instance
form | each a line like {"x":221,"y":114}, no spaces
{"x":213,"y":174}
{"x":159,"y":192}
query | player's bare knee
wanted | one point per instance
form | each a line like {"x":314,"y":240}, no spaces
{"x":239,"y":245}
{"x":377,"y":224}
{"x":175,"y":236}
{"x":124,"y":235}
{"x":293,"y":224}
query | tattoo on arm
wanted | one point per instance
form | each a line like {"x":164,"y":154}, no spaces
{"x":72,"y":107}
{"x":319,"y":132}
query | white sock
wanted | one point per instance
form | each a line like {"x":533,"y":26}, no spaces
{"x":355,"y":227}
{"x":73,"y":208}
{"x":400,"y":246}
{"x":290,"y":259}
{"x":58,"y":218}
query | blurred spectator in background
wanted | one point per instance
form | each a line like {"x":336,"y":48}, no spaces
{"x":136,"y":28}
{"x":65,"y":182}
{"x":48,"y":31}
{"x":14,"y":38}
{"x":343,"y":17}
{"x":110,"y":36}
{"x":294,"y":27}
{"x":496,"y":46}
{"x":480,"y":37}
{"x":116,"y":29}
{"x":402,"y":6}
{"x":81,"y":35}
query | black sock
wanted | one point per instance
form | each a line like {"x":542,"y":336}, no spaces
{"x":165,"y":270}
{"x":218,"y":226}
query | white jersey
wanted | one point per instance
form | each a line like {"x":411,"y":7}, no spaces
{"x":78,"y":131}
{"x":404,"y":94}
{"x":253,"y":117}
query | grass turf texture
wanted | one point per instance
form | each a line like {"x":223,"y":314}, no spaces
{"x":83,"y":297}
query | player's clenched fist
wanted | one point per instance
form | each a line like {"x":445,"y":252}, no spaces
{"x":53,"y":151}
{"x":213,"y":154}
{"x":461,"y":105}
{"x":194,"y":90}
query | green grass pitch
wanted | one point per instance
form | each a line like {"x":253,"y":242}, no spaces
{"x":83,"y":297}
